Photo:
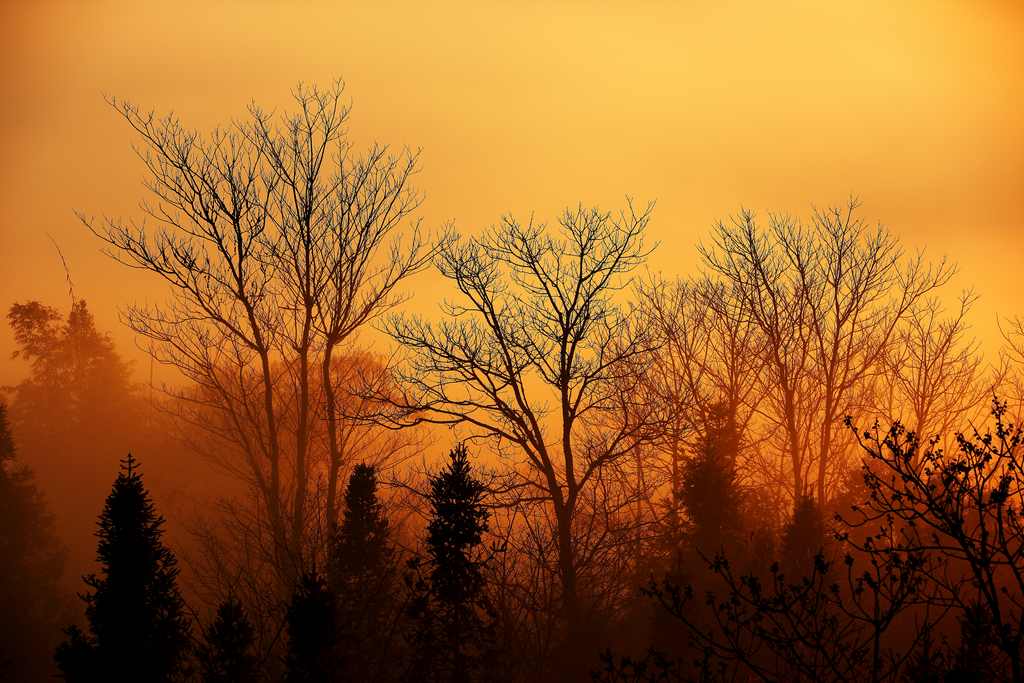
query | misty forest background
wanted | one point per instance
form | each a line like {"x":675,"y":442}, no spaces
{"x":795,"y":463}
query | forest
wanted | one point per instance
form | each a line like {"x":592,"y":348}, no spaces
{"x":794,"y":463}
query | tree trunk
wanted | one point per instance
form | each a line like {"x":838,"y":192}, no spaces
{"x":334,"y":457}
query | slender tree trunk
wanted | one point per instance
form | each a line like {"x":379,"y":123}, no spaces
{"x":793,"y":435}
{"x":274,"y":451}
{"x":301,"y":453}
{"x":334,"y":457}
{"x":825,"y":452}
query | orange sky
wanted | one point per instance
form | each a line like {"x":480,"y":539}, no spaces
{"x":703,"y":106}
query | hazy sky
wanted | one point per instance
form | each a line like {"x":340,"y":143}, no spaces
{"x":702,"y":106}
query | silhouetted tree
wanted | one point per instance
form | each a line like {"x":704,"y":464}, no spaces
{"x":31,"y":561}
{"x":828,"y":298}
{"x":711,"y":495}
{"x":77,"y":398}
{"x":453,"y":633}
{"x":226,"y":655}
{"x":538,"y":341}
{"x":312,"y":621}
{"x":136,"y":617}
{"x":803,"y":538}
{"x":277,"y":242}
{"x":964,"y":507}
{"x":362,"y":575}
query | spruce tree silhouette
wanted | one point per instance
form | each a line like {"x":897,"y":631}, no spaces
{"x":804,"y":538}
{"x":710,"y":491}
{"x":226,"y":654}
{"x":31,"y":560}
{"x":362,"y":575}
{"x":454,"y":634}
{"x":312,"y":632}
{"x":137,"y":625}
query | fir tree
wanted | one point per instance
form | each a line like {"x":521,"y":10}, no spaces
{"x":136,"y":616}
{"x":226,"y":654}
{"x":710,"y":491}
{"x":312,"y":632}
{"x":362,"y":576}
{"x":454,"y":634}
{"x":803,"y":538}
{"x":31,"y":561}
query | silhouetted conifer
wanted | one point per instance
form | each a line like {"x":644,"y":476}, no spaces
{"x":312,"y":632}
{"x":803,"y":538}
{"x":226,"y":655}
{"x":362,"y":576}
{"x":710,"y":491}
{"x":31,"y":560}
{"x":136,"y":616}
{"x":453,"y":639}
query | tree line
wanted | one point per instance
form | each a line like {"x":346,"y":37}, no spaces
{"x":677,"y":470}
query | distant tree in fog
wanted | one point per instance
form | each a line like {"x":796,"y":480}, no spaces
{"x":828,"y":299}
{"x":31,"y":562}
{"x":711,"y":494}
{"x":137,"y":625}
{"x":226,"y":654}
{"x":277,"y":242}
{"x":76,"y":405}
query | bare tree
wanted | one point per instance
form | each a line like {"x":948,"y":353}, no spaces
{"x":963,"y":508}
{"x":707,"y":360}
{"x":278,"y":244}
{"x":829,"y":299}
{"x":933,"y":376}
{"x":335,"y":248}
{"x":533,"y":355}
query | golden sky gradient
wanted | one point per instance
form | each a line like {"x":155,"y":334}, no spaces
{"x":916,"y":107}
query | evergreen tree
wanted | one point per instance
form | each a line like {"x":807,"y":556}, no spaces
{"x":454,"y":634}
{"x":78,"y":397}
{"x":31,"y":561}
{"x":710,"y":492}
{"x":226,"y":654}
{"x":362,"y":576}
{"x":803,"y":538}
{"x":136,"y":616}
{"x":312,"y":632}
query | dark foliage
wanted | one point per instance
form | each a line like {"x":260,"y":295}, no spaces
{"x":965,"y":509}
{"x":804,"y":537}
{"x":137,"y":629}
{"x":226,"y":655}
{"x":362,"y":574}
{"x":453,"y":632}
{"x":31,"y":562}
{"x":312,"y":621}
{"x":710,"y":492}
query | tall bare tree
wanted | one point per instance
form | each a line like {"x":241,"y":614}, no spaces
{"x":278,"y":243}
{"x":707,"y":361}
{"x":533,"y":355}
{"x":829,"y":297}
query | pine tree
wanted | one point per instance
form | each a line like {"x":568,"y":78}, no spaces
{"x":312,"y":632}
{"x":454,"y":634}
{"x":226,"y":654}
{"x":710,"y":491}
{"x":362,"y":575}
{"x":31,"y":562}
{"x":803,"y":538}
{"x":138,"y":630}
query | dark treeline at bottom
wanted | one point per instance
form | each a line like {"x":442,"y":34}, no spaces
{"x":919,"y":578}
